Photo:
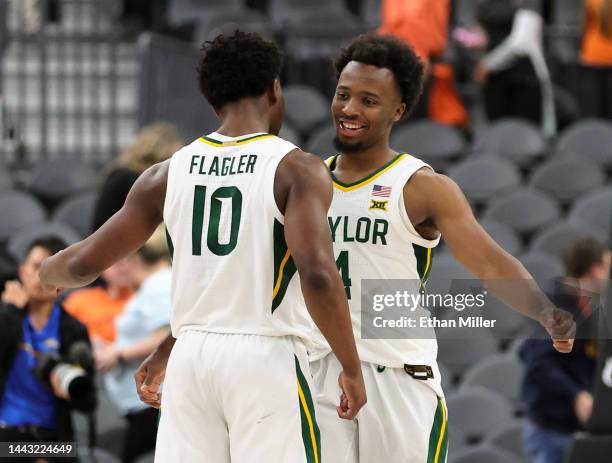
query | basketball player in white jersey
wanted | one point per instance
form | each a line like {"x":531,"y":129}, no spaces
{"x":388,"y":213}
{"x":238,"y":383}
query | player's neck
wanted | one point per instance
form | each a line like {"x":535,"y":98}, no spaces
{"x":243,"y":118}
{"x":367,"y":160}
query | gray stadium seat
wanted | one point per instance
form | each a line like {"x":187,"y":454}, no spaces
{"x":510,"y":439}
{"x":542,"y":266}
{"x":284,"y":12}
{"x":210,"y":24}
{"x":306,"y":107}
{"x":371,"y":12}
{"x":587,"y":139}
{"x":465,"y":12}
{"x":168,"y":87}
{"x":482,"y":178}
{"x":446,"y":274}
{"x":499,"y":373}
{"x":508,"y":322}
{"x":99,"y":456}
{"x":459,"y":348}
{"x":19,"y":243}
{"x":435,"y":143}
{"x":514,"y":139}
{"x":568,"y":179}
{"x":57,"y":179}
{"x":526,"y":211}
{"x":6,"y":183}
{"x":594,"y":212}
{"x":321,"y":142}
{"x":18,"y":211}
{"x":446,"y":377}
{"x":475,"y":413}
{"x":181,"y":12}
{"x":484,"y":454}
{"x":77,"y":212}
{"x":555,"y":239}
{"x":290,"y":134}
{"x":503,"y":235}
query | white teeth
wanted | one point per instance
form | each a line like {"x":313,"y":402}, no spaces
{"x":350,"y":125}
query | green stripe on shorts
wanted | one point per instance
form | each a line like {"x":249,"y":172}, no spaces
{"x":438,"y":438}
{"x":310,"y":429}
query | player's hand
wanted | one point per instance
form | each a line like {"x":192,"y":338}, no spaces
{"x":561,"y":327}
{"x":353,"y":395}
{"x":149,"y":377}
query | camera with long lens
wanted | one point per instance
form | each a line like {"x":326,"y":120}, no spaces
{"x":71,"y":372}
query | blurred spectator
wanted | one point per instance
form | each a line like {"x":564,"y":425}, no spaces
{"x":155,"y":143}
{"x":99,"y":306}
{"x":557,"y":387}
{"x":514,"y":73}
{"x":424,"y":25}
{"x":34,"y":400}
{"x":596,"y":59}
{"x":140,"y":329}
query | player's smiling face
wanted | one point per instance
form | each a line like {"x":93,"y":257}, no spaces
{"x":366,"y":105}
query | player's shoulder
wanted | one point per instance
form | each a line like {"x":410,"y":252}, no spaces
{"x":298,"y":160}
{"x":427,"y":181}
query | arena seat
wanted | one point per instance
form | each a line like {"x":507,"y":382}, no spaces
{"x":567,"y":179}
{"x":210,"y":24}
{"x":19,"y":243}
{"x":477,"y":413}
{"x":484,"y":454}
{"x":482,"y":178}
{"x":77,"y":212}
{"x":321,"y":142}
{"x":526,"y":211}
{"x":542,"y":266}
{"x":284,"y":12}
{"x":305,"y":108}
{"x":18,"y":211}
{"x":99,"y":456}
{"x":594,"y":211}
{"x":56,"y":179}
{"x":505,"y":236}
{"x":288,"y":133}
{"x":181,"y":12}
{"x":435,"y":143}
{"x":555,"y":239}
{"x":6,"y":183}
{"x":370,"y":13}
{"x":499,"y":373}
{"x":510,"y":439}
{"x":458,"y":349}
{"x":587,"y":139}
{"x":514,"y":139}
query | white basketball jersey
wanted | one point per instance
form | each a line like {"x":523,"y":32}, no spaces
{"x":374,"y":239}
{"x":231,"y":269}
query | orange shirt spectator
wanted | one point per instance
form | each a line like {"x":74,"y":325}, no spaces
{"x":97,"y":310}
{"x":421,"y":23}
{"x":597,"y":39}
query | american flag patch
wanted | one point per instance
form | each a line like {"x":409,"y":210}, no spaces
{"x":382,"y":191}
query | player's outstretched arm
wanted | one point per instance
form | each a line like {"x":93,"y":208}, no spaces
{"x":303,"y":191}
{"x":121,"y":235}
{"x":446,"y":206}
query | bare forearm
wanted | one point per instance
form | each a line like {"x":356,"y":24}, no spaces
{"x":510,"y":282}
{"x":64,"y":270}
{"x":328,"y":307}
{"x":145,"y":346}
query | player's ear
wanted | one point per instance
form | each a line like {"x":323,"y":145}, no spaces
{"x":274,"y":92}
{"x":400,"y":112}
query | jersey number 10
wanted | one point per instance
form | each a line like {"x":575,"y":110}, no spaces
{"x":214,"y":219}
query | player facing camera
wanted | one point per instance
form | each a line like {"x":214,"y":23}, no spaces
{"x":47,"y":367}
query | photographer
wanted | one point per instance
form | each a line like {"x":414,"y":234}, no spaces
{"x":46,"y":366}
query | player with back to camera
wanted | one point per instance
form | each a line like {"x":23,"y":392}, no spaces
{"x":408,"y":207}
{"x":234,"y":203}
